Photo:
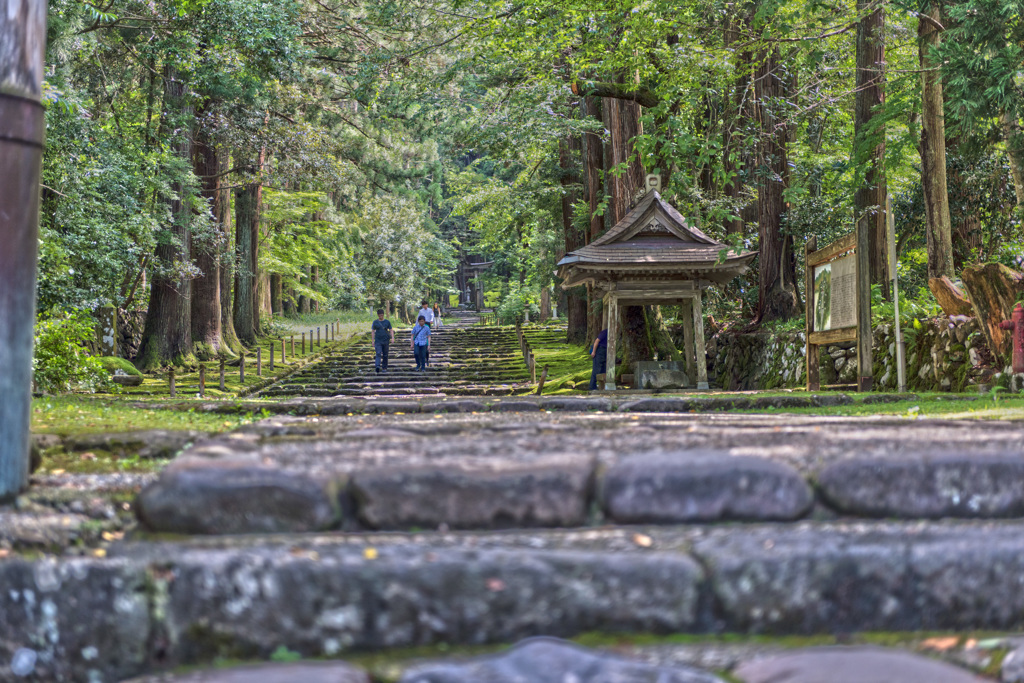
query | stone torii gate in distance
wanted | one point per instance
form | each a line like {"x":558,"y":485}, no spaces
{"x":653,"y":256}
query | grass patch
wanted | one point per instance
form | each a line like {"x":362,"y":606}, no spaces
{"x":74,"y":415}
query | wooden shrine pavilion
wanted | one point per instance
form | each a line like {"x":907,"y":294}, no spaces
{"x":653,"y":256}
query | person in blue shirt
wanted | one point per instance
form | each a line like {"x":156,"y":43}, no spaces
{"x":599,"y":352}
{"x":383,"y":338}
{"x":421,"y":343}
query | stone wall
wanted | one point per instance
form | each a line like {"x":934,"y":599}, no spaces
{"x":943,"y":354}
{"x":129,"y":332}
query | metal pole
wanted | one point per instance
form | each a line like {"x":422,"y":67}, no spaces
{"x":901,"y":346}
{"x":22,"y":126}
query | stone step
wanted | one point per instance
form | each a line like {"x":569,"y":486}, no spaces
{"x":185,"y":602}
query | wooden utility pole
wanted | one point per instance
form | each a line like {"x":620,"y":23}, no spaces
{"x":22,"y":126}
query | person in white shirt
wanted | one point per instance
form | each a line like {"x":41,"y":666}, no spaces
{"x":427,"y":314}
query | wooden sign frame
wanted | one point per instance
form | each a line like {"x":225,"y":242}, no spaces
{"x":860,"y":332}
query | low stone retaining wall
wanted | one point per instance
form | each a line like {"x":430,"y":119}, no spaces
{"x":130,"y":325}
{"x":943,"y":354}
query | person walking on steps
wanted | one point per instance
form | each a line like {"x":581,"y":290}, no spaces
{"x":599,"y":352}
{"x":427,"y":314}
{"x":383,"y":338}
{"x":437,"y":315}
{"x":421,"y":343}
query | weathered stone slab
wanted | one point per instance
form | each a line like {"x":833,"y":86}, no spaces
{"x":458,"y":406}
{"x":949,"y":485}
{"x":391,"y":407}
{"x":338,"y":598}
{"x":840,"y":664}
{"x":657,"y":405}
{"x":463,"y":498}
{"x":803,"y":581}
{"x":579,"y":405}
{"x":548,"y":660}
{"x":702,"y":486}
{"x":515,"y":406}
{"x":231,"y":497}
{"x":148,"y":443}
{"x":300,"y":672}
{"x":73,"y":619}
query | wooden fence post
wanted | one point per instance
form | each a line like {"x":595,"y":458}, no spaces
{"x":202,"y":380}
{"x":533,"y":369}
{"x":241,"y":369}
{"x":22,"y":126}
{"x":170,"y":382}
{"x":271,"y":347}
{"x":283,"y":361}
{"x":543,"y":378}
{"x":293,"y":346}
{"x":259,"y":361}
{"x":303,"y":343}
{"x":318,"y":336}
{"x":223,"y":364}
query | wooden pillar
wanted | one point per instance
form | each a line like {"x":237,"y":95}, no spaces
{"x":688,"y":349}
{"x":812,"y":360}
{"x":698,"y":339}
{"x":22,"y":126}
{"x":612,"y":311}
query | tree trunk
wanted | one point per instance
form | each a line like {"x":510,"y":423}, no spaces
{"x":949,"y":296}
{"x":593,"y":170}
{"x":206,"y":324}
{"x":230,"y":344}
{"x":275,"y":294}
{"x":994,"y":289}
{"x":1015,"y":151}
{"x":314,"y":278}
{"x":167,"y":335}
{"x":870,"y":198}
{"x":568,"y":161}
{"x":735,"y":116}
{"x":248,"y":204}
{"x":933,"y":152}
{"x":778,"y":297}
{"x":304,"y":300}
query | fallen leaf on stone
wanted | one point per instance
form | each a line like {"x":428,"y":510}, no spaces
{"x":112,"y":535}
{"x":643,"y":540}
{"x":940,"y":644}
{"x":370,"y":553}
{"x":397,"y":413}
{"x":126,"y":506}
{"x":99,"y":552}
{"x":227,"y":424}
{"x":87,"y":456}
{"x":57,"y":472}
{"x":495,"y":585}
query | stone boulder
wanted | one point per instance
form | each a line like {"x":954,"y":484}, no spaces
{"x":702,"y":486}
{"x":298,"y":672}
{"x":532,"y":495}
{"x":664,"y":380}
{"x":946,"y":485}
{"x":146,"y":443}
{"x":850,"y":665}
{"x":236,"y":497}
{"x":549,"y":660}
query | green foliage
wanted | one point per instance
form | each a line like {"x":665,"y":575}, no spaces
{"x":61,"y":362}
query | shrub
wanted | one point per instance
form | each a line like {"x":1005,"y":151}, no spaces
{"x":61,"y":362}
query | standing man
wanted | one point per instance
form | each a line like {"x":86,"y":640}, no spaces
{"x":599,"y":352}
{"x":427,"y":314}
{"x":421,"y":343}
{"x":383,"y":338}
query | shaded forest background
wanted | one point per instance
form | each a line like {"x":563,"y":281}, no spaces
{"x":220,"y":162}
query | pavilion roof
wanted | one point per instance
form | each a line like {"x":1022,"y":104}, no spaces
{"x":653,"y":241}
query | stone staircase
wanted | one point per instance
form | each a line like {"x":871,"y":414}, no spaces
{"x":466,"y":358}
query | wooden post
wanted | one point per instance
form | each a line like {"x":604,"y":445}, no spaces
{"x":283,"y":361}
{"x":865,"y":371}
{"x":259,"y":361}
{"x":293,"y":345}
{"x":22,"y":125}
{"x":812,"y":360}
{"x":170,"y":382}
{"x":318,"y":337}
{"x":613,"y":332}
{"x":533,"y":369}
{"x":303,"y":343}
{"x":223,"y":365}
{"x":202,"y":380}
{"x":543,"y":378}
{"x":698,"y":342}
{"x":271,"y":349}
{"x":689,"y":354}
{"x":241,"y":369}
